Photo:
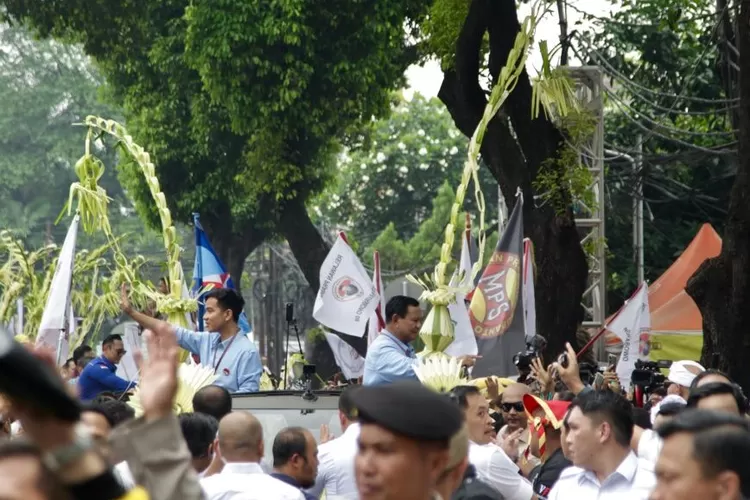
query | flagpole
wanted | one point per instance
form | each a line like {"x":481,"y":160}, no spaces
{"x":604,"y":328}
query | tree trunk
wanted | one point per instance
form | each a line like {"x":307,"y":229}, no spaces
{"x":721,"y":286}
{"x":233,"y":249}
{"x":514,"y":148}
{"x":304,"y":240}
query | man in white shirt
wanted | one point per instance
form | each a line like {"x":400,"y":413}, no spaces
{"x":599,"y":427}
{"x":491,"y":462}
{"x":705,"y":457}
{"x":336,"y":457}
{"x":240,"y":445}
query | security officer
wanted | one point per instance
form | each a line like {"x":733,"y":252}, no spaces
{"x":404,"y":440}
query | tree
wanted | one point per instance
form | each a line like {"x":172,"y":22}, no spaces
{"x":408,"y":157}
{"x":46,"y":87}
{"x":665,"y":67}
{"x":720,"y":287}
{"x":517,"y":149}
{"x":243,"y":104}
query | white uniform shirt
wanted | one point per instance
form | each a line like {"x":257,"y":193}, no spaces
{"x":248,"y":481}
{"x":336,"y":467}
{"x":495,"y":468}
{"x":649,"y":447}
{"x":631,"y":481}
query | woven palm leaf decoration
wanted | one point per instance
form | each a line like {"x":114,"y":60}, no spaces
{"x":190,"y":379}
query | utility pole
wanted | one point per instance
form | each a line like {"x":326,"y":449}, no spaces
{"x":638,"y":209}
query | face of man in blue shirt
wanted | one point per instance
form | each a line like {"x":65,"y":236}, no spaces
{"x":406,"y":328}
{"x":114,"y":351}
{"x":215,"y":318}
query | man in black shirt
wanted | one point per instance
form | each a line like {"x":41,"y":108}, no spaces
{"x":546,"y":441}
{"x":472,"y":488}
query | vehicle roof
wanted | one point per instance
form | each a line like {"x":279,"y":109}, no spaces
{"x":286,"y":400}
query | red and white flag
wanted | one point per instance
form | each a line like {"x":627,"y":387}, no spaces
{"x":376,"y":324}
{"x":632,"y":325}
{"x":347,"y":297}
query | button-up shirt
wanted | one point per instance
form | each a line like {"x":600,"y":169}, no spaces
{"x":336,"y":467}
{"x":99,"y":376}
{"x":389,"y":360}
{"x":248,"y":480}
{"x":630,"y":481}
{"x":238,"y":369}
{"x":495,"y":468}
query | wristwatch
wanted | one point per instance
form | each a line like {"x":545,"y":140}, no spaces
{"x":60,"y":457}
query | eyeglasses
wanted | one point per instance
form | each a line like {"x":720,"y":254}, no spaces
{"x":518,"y":406}
{"x":121,"y":352}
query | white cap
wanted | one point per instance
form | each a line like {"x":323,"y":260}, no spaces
{"x":681,"y":374}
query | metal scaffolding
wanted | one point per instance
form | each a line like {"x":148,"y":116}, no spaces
{"x":590,"y":219}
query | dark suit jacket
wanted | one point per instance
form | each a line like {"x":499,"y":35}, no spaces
{"x":292,"y":482}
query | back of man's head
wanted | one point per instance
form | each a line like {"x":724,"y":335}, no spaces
{"x":241,"y":437}
{"x":610,"y":408}
{"x":289,"y":442}
{"x":213,"y":400}
{"x":346,"y":403}
{"x":461,"y":394}
{"x":721,"y":443}
{"x":199,"y":431}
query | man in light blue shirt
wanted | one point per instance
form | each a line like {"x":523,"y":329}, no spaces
{"x":224,"y":348}
{"x":390,"y":357}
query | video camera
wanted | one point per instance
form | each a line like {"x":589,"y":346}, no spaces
{"x":647,"y":375}
{"x":534,"y":349}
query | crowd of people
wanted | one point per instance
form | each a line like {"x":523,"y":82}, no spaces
{"x":556,"y":438}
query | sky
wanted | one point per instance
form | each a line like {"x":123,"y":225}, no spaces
{"x":427,"y":79}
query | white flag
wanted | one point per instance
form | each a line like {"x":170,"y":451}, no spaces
{"x":376,"y":324}
{"x":529,"y":299}
{"x":53,"y":329}
{"x":464,"y":342}
{"x":346,"y":297}
{"x":351,"y":363}
{"x":131,"y":340}
{"x":633,"y":326}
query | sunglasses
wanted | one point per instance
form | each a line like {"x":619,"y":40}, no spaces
{"x":120,"y":352}
{"x":512,"y":406}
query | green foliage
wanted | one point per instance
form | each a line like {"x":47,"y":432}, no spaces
{"x":411,"y":154}
{"x":242,"y":104}
{"x":442,"y":27}
{"x":662,"y":59}
{"x":567,"y":176}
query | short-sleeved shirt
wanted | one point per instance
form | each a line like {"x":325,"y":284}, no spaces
{"x":389,"y":360}
{"x":235,"y":360}
{"x":630,"y":481}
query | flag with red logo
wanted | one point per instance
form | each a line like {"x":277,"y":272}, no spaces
{"x":347,"y":297}
{"x":496,"y":309}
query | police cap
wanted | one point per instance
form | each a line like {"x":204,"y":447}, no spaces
{"x":410,"y":409}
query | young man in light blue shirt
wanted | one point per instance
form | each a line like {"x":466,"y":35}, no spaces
{"x":224,"y":347}
{"x":390,"y":357}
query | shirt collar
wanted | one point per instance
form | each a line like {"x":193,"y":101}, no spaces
{"x":626,"y":470}
{"x":242,"y":468}
{"x":286,"y":479}
{"x":401,"y":344}
{"x":107,"y":363}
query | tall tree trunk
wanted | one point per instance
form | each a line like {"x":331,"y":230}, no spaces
{"x":304,"y":240}
{"x":721,"y":286}
{"x":233,"y":249}
{"x":514,"y":148}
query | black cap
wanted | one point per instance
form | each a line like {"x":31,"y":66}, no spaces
{"x":410,"y":409}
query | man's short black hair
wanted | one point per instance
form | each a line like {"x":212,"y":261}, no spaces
{"x":199,"y":431}
{"x":399,"y":306}
{"x":607,"y":406}
{"x":346,"y":403}
{"x":460,"y":394}
{"x":227,"y":299}
{"x":213,"y":400}
{"x":116,"y":412}
{"x":721,"y":441}
{"x":706,"y":373}
{"x":289,"y":442}
{"x":715,"y":389}
{"x":80,"y":352}
{"x":110,"y":339}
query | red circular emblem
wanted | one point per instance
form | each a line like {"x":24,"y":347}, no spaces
{"x":226,"y":371}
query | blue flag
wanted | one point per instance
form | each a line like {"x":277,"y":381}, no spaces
{"x":209,"y":272}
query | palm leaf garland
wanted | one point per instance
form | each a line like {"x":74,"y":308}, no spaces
{"x":439,"y":372}
{"x":190,"y":379}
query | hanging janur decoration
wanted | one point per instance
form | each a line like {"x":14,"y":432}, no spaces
{"x":553,"y":93}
